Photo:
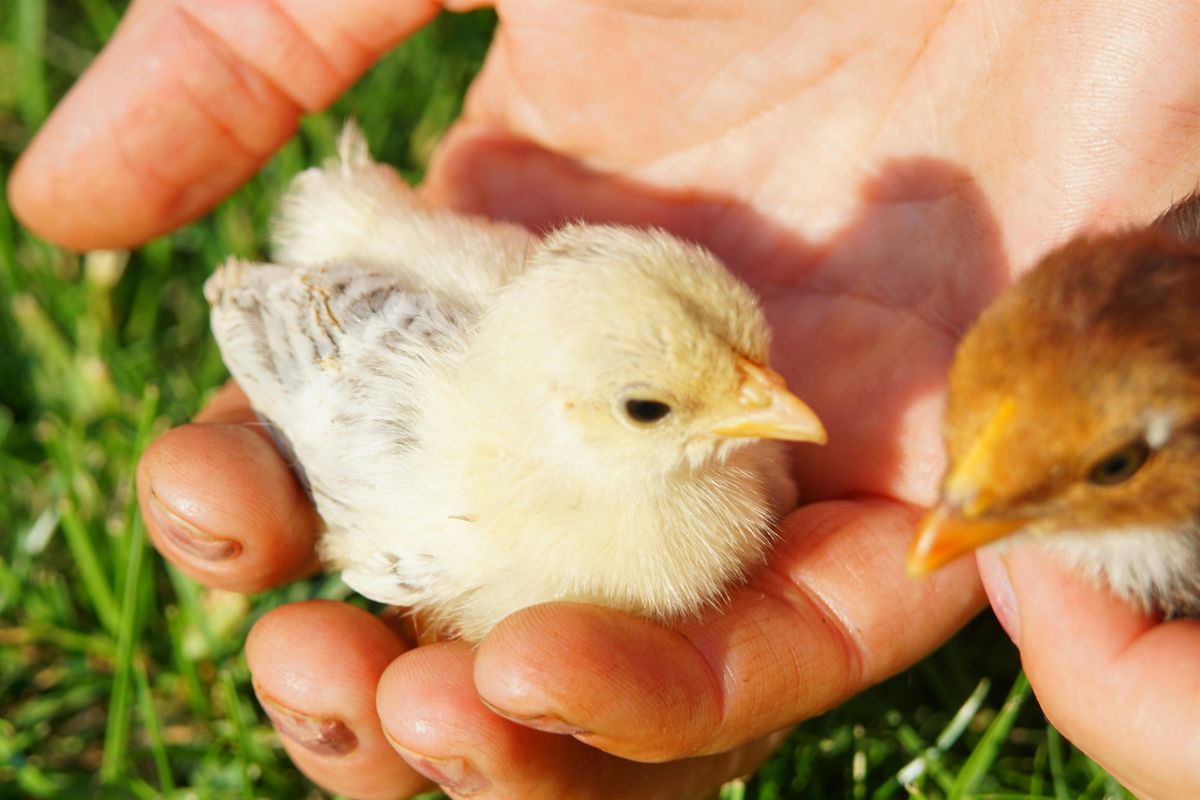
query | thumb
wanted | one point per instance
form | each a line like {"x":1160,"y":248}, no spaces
{"x":185,"y":103}
{"x":1121,"y":686}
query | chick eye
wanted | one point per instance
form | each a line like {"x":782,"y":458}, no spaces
{"x":1121,"y":465}
{"x":646,"y":411}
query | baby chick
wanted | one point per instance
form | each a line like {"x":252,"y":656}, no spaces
{"x":1074,"y":416}
{"x":487,"y":420}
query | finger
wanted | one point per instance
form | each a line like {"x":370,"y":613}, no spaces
{"x":1120,"y":686}
{"x":993,"y":574}
{"x":222,"y":505}
{"x":230,"y":404}
{"x":315,"y":667}
{"x":833,"y":613}
{"x":433,"y":715}
{"x":185,"y":103}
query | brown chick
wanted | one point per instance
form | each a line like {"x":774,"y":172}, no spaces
{"x":1074,"y":416}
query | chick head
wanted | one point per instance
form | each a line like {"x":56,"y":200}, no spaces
{"x":640,"y":347}
{"x":1074,"y":401}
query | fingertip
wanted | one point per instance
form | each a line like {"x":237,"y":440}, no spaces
{"x":590,"y":671}
{"x":423,"y":697}
{"x":184,"y":104}
{"x":228,"y":404}
{"x":433,"y":716}
{"x":315,"y":667}
{"x":221,"y":504}
{"x":341,"y":641}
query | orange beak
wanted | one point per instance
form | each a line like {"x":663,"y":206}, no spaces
{"x":947,"y":533}
{"x":767,"y":410}
{"x":961,"y":522}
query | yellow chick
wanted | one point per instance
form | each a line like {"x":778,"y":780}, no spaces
{"x":1074,"y":417}
{"x":487,"y":420}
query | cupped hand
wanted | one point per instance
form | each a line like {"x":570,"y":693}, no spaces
{"x":877,"y":177}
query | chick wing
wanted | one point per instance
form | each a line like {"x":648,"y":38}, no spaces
{"x":355,"y":210}
{"x":338,"y":362}
{"x":341,"y":340}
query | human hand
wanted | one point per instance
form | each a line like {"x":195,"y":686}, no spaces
{"x":1118,"y":684}
{"x":874,"y":183}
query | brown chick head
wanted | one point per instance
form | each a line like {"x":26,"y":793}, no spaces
{"x":1074,"y":407}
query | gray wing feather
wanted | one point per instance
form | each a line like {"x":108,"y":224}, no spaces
{"x":338,"y":361}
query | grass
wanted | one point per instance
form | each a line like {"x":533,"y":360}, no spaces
{"x":120,"y":677}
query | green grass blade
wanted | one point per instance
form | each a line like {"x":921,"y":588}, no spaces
{"x":931,"y":757}
{"x":158,"y":749}
{"x":982,"y":757}
{"x":102,"y":16}
{"x":10,"y":283}
{"x":196,"y":697}
{"x":233,"y":710}
{"x":31,"y":49}
{"x":116,"y":739}
{"x":90,"y":645}
{"x":734,"y":790}
{"x":1054,"y":748}
{"x":95,"y":584}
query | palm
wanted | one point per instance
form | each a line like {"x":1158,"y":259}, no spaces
{"x":875,"y":229}
{"x":876,"y":178}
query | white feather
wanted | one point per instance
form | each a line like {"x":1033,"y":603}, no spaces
{"x":1153,"y":568}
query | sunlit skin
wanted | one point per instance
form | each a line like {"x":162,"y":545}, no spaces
{"x":878,"y":177}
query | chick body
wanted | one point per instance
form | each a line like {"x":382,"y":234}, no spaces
{"x":1074,"y":416}
{"x":456,"y":393}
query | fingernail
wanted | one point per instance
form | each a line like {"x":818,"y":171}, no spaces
{"x":996,"y":582}
{"x":188,"y":537}
{"x":456,"y":774}
{"x":327,"y":736}
{"x":547,"y":723}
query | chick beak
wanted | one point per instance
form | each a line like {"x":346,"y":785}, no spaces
{"x":962,"y":522}
{"x":765,"y":409}
{"x":947,"y":533}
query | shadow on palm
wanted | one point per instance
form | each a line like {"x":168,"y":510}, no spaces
{"x":865,"y":323}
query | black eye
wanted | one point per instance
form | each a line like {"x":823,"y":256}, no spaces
{"x":646,"y":411}
{"x":1121,"y":465}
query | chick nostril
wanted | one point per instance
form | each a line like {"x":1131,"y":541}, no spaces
{"x":754,"y":397}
